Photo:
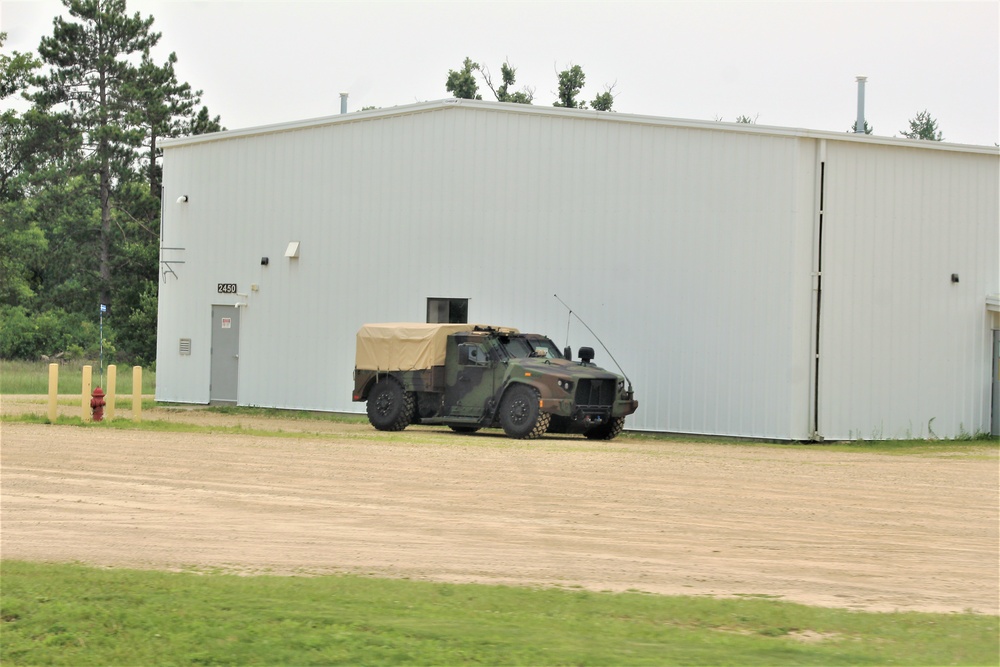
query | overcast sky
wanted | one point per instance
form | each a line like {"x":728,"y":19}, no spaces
{"x":790,"y":64}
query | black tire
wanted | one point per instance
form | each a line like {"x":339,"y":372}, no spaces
{"x":520,"y":414}
{"x":389,"y":407}
{"x":464,"y":429}
{"x":607,"y":431}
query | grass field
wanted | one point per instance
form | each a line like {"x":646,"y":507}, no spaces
{"x":29,"y":377}
{"x":74,"y":615}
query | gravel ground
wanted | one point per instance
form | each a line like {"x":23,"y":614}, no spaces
{"x":854,"y":530}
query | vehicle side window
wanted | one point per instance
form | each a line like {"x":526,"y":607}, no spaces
{"x":471,"y":354}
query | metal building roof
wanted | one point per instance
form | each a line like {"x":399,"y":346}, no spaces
{"x":576,"y":114}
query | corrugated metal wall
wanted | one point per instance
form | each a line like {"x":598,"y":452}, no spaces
{"x":906,"y":352}
{"x":688,"y":248}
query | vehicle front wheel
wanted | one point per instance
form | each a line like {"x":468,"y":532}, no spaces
{"x":609,"y":430}
{"x":390,"y":408}
{"x":520,"y":414}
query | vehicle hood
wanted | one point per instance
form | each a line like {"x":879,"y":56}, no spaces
{"x":565,"y":368}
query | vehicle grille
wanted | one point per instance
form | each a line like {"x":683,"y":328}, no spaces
{"x":595,"y":393}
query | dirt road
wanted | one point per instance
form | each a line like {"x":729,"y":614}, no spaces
{"x":855,"y":530}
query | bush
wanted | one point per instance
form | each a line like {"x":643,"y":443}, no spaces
{"x":136,"y":335}
{"x":17,"y":334}
{"x":24,"y":336}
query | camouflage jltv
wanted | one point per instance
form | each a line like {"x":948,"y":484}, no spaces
{"x":469,"y":377}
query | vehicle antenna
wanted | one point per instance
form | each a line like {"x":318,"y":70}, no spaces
{"x":595,"y":336}
{"x":567,"y":317}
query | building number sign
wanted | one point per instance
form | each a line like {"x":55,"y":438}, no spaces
{"x":227,"y":288}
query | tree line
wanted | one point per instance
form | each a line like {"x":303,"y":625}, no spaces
{"x":80,"y":183}
{"x":462,"y":83}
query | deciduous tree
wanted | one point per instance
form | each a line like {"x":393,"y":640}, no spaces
{"x":570,"y":83}
{"x":502,"y":93}
{"x":462,"y":83}
{"x":604,"y":101}
{"x":923,"y":126}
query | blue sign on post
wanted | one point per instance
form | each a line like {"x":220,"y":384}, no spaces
{"x":104,"y":309}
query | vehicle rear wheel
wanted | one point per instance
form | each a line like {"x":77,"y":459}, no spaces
{"x":609,"y":430}
{"x":520,"y":415}
{"x":390,"y":408}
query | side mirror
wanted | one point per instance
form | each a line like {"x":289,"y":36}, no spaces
{"x":568,"y":353}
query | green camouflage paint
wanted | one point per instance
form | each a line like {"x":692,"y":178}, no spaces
{"x":482,"y":366}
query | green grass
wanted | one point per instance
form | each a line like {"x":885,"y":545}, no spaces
{"x":985,"y":448}
{"x":277,"y":413}
{"x":970,"y":444}
{"x":57,"y":614}
{"x":126,"y":424}
{"x":31,"y":377}
{"x":22,"y":377}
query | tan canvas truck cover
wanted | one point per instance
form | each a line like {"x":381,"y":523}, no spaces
{"x":404,"y":346}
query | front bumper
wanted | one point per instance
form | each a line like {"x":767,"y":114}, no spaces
{"x":565,"y":407}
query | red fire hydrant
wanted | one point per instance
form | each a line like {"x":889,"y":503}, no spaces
{"x":97,"y":404}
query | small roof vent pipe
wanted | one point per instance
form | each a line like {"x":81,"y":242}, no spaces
{"x":343,"y":103}
{"x":859,"y":126}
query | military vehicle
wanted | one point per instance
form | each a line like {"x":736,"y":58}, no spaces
{"x":468,"y":377}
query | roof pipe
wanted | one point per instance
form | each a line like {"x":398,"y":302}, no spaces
{"x":343,"y":103}
{"x":859,"y":126}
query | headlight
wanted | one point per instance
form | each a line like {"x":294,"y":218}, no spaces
{"x":621,"y":385}
{"x":565,"y":385}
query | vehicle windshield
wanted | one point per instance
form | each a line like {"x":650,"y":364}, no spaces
{"x":538,"y":347}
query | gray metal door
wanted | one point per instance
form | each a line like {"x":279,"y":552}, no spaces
{"x":225,"y":353}
{"x":996,"y":384}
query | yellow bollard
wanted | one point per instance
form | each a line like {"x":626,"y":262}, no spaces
{"x":85,"y":394}
{"x":137,"y":393}
{"x":53,"y":392}
{"x":109,"y":398}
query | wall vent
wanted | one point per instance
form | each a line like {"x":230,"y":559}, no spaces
{"x":186,"y":347}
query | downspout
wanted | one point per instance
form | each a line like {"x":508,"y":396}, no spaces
{"x":817,"y":292}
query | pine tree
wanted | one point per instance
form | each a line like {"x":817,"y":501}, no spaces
{"x":90,"y":76}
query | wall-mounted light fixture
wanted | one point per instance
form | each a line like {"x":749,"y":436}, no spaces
{"x":182,"y":199}
{"x":264,"y":261}
{"x":954,"y":277}
{"x":292,"y":251}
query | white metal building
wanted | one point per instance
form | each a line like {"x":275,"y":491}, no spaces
{"x":751,"y":281}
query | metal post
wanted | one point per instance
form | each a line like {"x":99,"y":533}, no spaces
{"x":85,"y":394}
{"x":109,"y":410}
{"x":53,"y":392}
{"x":343,"y":103}
{"x":859,"y":126}
{"x":137,"y":393}
{"x":104,"y":308}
